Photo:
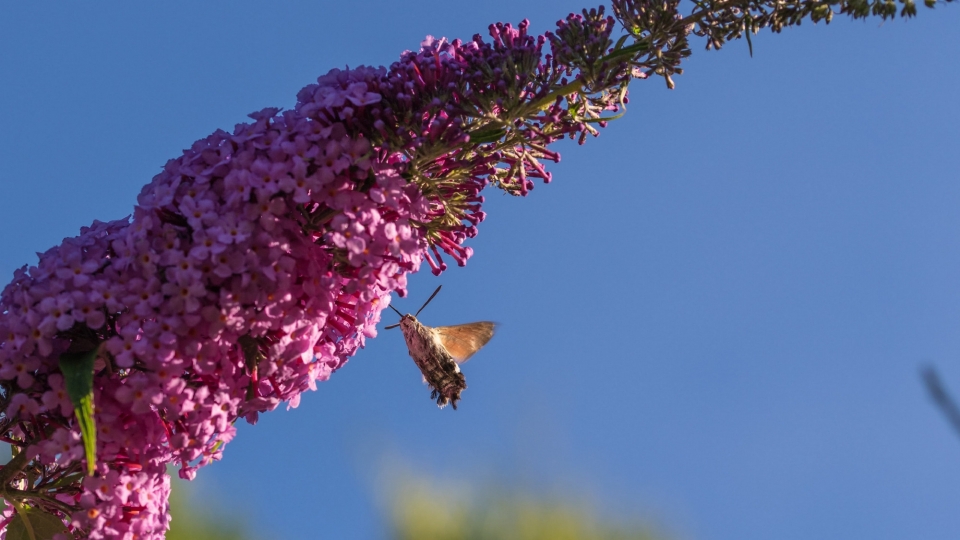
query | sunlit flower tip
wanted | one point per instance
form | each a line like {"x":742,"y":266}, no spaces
{"x":442,"y":266}
{"x":434,"y":267}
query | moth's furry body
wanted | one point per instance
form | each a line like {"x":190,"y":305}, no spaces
{"x":437,"y":351}
{"x":439,"y":369}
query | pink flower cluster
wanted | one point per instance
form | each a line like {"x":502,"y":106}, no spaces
{"x":255,"y":265}
{"x":215,"y":302}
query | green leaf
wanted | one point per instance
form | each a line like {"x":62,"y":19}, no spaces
{"x":629,"y":50}
{"x":487,"y":134}
{"x":34,"y":524}
{"x":77,"y":371}
{"x":251,"y":352}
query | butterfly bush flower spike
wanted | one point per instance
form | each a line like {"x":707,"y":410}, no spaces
{"x":259,"y":261}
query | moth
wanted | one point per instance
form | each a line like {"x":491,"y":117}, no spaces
{"x":439,"y":351}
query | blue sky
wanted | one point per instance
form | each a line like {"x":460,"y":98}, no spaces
{"x":714,"y":317}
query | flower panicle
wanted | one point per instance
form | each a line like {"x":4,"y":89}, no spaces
{"x":258,"y":262}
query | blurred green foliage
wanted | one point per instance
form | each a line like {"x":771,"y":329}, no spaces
{"x":421,"y":511}
{"x":200,"y":520}
{"x":425,"y":510}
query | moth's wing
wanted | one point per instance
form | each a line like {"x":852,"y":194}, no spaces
{"x":464,"y":340}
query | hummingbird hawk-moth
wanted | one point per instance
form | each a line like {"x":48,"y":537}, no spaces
{"x":439,"y":350}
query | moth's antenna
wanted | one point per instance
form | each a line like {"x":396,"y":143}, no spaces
{"x":428,"y":300}
{"x":392,"y":326}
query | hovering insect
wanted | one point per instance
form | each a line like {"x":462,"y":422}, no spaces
{"x":437,"y":351}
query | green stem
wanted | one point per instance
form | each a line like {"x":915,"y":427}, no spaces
{"x":18,"y":495}
{"x":22,"y":511}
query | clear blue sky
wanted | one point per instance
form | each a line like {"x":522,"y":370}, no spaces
{"x":714,"y":316}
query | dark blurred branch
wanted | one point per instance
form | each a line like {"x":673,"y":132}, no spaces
{"x":941,"y":397}
{"x":12,"y":468}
